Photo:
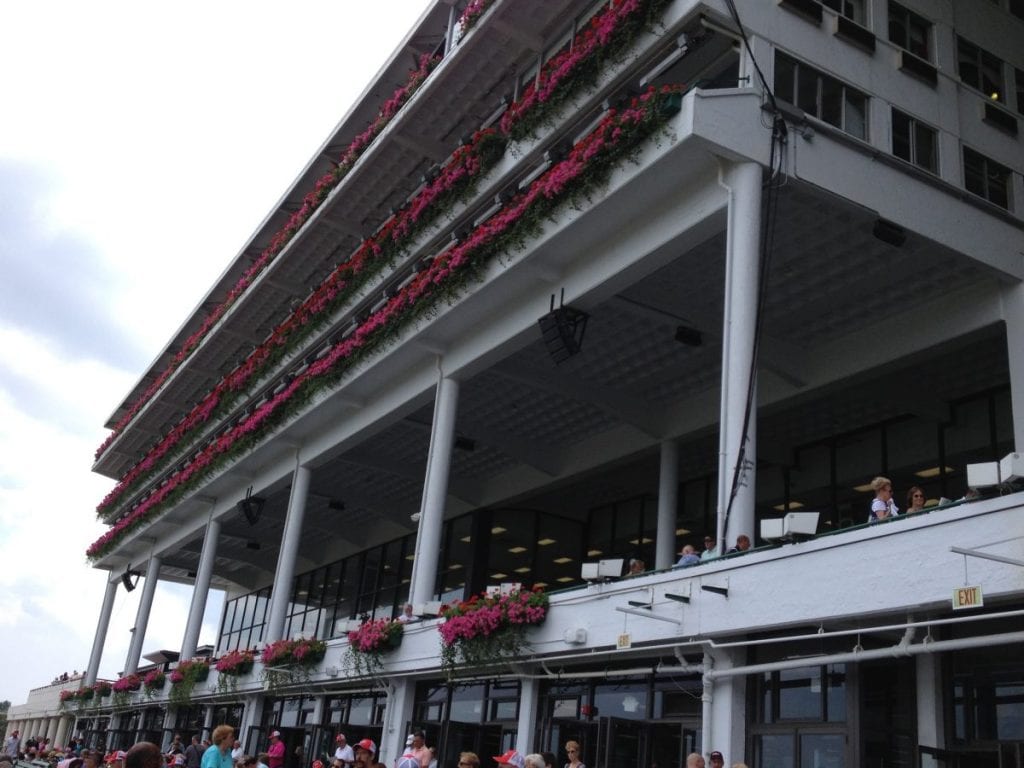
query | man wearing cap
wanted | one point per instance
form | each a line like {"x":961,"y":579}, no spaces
{"x":511,"y":758}
{"x":275,"y":752}
{"x":419,"y":749}
{"x":408,"y":759}
{"x":366,"y":751}
{"x":717,"y":761}
{"x":343,"y":753}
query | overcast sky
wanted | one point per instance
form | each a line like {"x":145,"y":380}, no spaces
{"x":141,"y":143}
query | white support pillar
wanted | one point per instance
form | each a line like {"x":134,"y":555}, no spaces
{"x":435,"y":490}
{"x":251,"y":714}
{"x":931,"y":731}
{"x":131,"y":664}
{"x":1013,"y":314}
{"x":63,"y":730}
{"x":668,"y":503}
{"x":526,"y":739}
{"x":201,"y":590}
{"x":100,"y":638}
{"x":284,"y":575}
{"x":724,"y":726}
{"x":742,"y":264}
{"x":401,"y":696}
{"x":51,"y":728}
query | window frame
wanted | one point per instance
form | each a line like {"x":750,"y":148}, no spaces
{"x":909,"y":20}
{"x":914,"y":128}
{"x":802,"y":75}
{"x":988,"y":167}
{"x":983,"y":61}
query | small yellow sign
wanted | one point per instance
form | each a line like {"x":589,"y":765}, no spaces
{"x":967,"y":597}
{"x":624,"y":641}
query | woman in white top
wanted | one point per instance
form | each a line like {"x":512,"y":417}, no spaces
{"x":882,"y":506}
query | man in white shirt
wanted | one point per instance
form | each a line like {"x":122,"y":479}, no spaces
{"x":236,"y":750}
{"x":344,"y":752}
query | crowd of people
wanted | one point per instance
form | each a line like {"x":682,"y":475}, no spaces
{"x":223,"y":750}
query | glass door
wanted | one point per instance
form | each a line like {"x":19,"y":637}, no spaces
{"x":620,"y":743}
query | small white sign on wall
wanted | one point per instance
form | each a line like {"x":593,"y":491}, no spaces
{"x":624,"y":641}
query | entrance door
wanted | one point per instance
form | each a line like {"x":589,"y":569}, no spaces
{"x":620,"y":743}
{"x":556,"y":731}
{"x":669,"y":743}
{"x":485,"y":740}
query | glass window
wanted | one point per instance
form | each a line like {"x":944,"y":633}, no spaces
{"x":1018,"y":79}
{"x":986,"y":178}
{"x":851,"y":9}
{"x":823,"y":750}
{"x":980,"y":69}
{"x":909,"y":31}
{"x":821,"y":95}
{"x":914,"y":141}
{"x":776,"y":750}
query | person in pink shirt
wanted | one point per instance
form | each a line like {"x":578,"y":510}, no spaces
{"x":275,"y":751}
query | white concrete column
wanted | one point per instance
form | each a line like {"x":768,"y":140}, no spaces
{"x":100,"y":638}
{"x":51,"y":728}
{"x":526,"y":739}
{"x":284,"y":576}
{"x":931,"y":730}
{"x":742,"y":262}
{"x":201,"y":590}
{"x":724,"y":727}
{"x":63,"y":729}
{"x":401,"y":696}
{"x":668,"y":502}
{"x":1013,"y":314}
{"x":131,"y":664}
{"x":435,"y":490}
{"x":250,"y":718}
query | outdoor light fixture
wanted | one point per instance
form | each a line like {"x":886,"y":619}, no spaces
{"x":689,"y":337}
{"x":252,"y":506}
{"x":562,"y":330}
{"x":890,"y":233}
{"x":130,"y":579}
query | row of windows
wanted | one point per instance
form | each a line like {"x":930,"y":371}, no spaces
{"x":843,"y":106}
{"x":977,"y":68}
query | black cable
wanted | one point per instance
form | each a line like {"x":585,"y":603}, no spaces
{"x":769,"y":219}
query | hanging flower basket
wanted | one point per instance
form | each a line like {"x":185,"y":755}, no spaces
{"x":289,"y":661}
{"x":485,"y":630}
{"x":231,"y":666}
{"x":368,"y":644}
{"x":103,"y":689}
{"x":184,"y":679}
{"x":123,"y":688}
{"x":154,"y":681}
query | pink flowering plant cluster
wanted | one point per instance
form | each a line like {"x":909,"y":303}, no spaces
{"x":323,"y":187}
{"x":184,"y":678}
{"x":127,"y":684}
{"x":102,"y":689}
{"x":305,"y":651}
{"x":488,"y":629}
{"x":236,"y":663}
{"x":154,"y":681}
{"x":78,"y":696}
{"x":471,"y":15}
{"x":368,"y":644}
{"x":444,"y":280}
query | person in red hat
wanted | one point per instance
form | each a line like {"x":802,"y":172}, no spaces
{"x":366,"y":752}
{"x":275,"y":752}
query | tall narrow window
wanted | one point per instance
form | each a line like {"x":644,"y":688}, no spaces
{"x":914,"y":141}
{"x":986,"y":178}
{"x":980,"y":69}
{"x":909,"y":31}
{"x":851,"y":9}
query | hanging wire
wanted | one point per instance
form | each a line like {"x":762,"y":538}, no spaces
{"x":769,"y":219}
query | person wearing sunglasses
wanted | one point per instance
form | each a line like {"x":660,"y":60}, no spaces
{"x":915,"y":500}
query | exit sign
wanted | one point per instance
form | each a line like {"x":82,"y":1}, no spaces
{"x":967,"y":597}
